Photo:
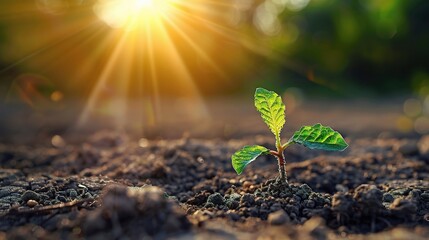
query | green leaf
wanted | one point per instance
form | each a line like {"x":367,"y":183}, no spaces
{"x":272,"y":110}
{"x":246,"y":155}
{"x":319,"y":137}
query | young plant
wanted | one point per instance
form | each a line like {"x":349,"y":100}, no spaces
{"x":272,"y":110}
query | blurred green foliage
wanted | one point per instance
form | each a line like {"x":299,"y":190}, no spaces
{"x":353,"y":47}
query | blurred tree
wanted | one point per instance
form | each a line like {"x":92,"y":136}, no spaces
{"x":352,"y":47}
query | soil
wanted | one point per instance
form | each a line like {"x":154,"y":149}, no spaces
{"x":117,"y":185}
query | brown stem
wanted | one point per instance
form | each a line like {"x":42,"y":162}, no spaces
{"x":282,"y":167}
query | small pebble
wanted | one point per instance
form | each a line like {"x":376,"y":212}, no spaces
{"x":32,"y":203}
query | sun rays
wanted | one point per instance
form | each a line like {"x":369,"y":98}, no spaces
{"x":127,"y":56}
{"x":144,"y":58}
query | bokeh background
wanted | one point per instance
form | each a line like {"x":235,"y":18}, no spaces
{"x":82,"y":59}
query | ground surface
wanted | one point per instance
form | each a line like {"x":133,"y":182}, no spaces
{"x":178,"y":182}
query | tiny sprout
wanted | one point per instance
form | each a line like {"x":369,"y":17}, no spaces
{"x":272,"y":110}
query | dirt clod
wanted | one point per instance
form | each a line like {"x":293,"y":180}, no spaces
{"x":216,"y":199}
{"x":146,"y":210}
{"x":30,"y":195}
{"x":247,"y":200}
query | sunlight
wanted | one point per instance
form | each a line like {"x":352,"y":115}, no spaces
{"x":146,"y":61}
{"x":138,"y":59}
{"x":144,"y":3}
{"x":131,"y":13}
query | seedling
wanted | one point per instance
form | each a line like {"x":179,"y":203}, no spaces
{"x":272,"y":110}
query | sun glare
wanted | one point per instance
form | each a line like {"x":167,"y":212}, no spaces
{"x":142,"y":4}
{"x":131,"y":13}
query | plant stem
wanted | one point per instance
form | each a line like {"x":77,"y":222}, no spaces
{"x":282,"y":167}
{"x":281,"y":161}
